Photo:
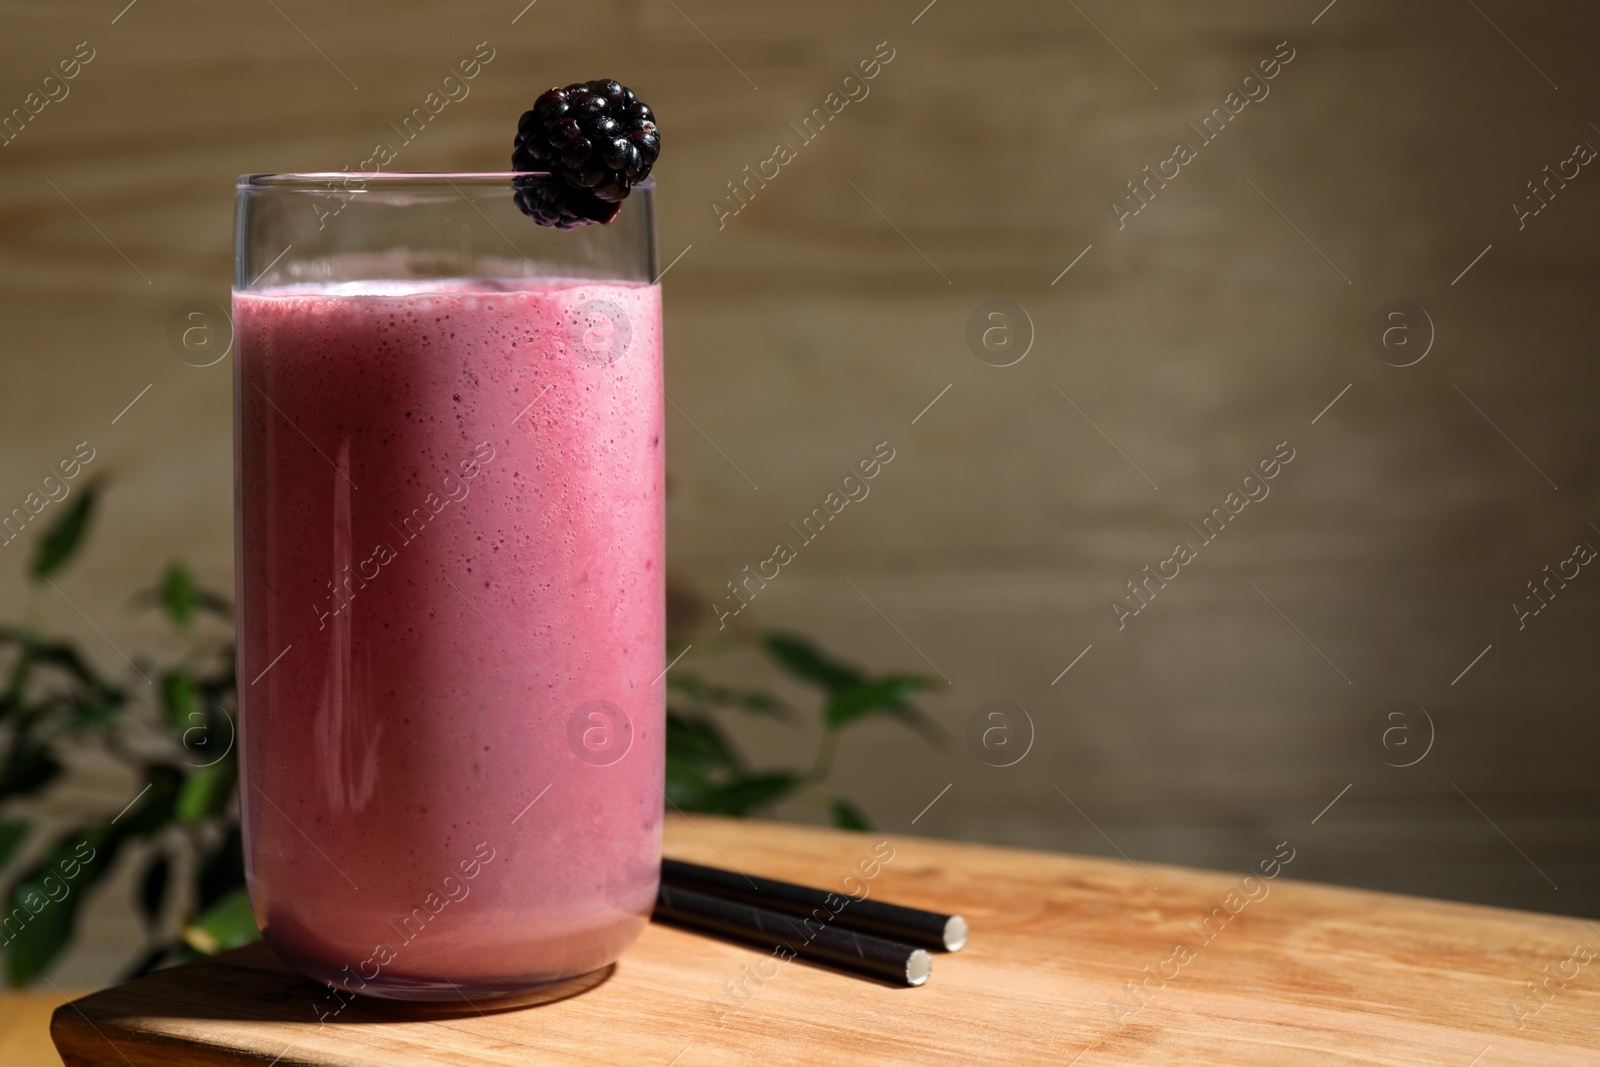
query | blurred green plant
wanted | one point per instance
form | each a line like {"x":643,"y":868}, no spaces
{"x":174,"y":728}
{"x":706,"y":773}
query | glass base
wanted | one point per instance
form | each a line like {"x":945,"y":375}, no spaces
{"x":583,"y":970}
{"x":502,"y":994}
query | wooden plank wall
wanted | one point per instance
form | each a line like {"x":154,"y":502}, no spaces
{"x":1182,"y":346}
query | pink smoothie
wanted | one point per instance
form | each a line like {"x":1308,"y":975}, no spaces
{"x":450,"y":542}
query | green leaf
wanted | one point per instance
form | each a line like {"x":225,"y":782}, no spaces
{"x":88,"y":715}
{"x":32,"y":766}
{"x":69,"y":660}
{"x":688,"y":787}
{"x":697,"y":741}
{"x":227,"y":924}
{"x":706,"y":693}
{"x":178,"y":594}
{"x":17,"y":675}
{"x":747,"y":792}
{"x":686,"y":682}
{"x":179,"y":698}
{"x":43,"y":937}
{"x":757,"y":703}
{"x":58,"y":544}
{"x":804,"y":660}
{"x":86,"y":855}
{"x":154,"y":809}
{"x":205,"y":793}
{"x":181,"y":598}
{"x":40,"y":911}
{"x":846,"y":816}
{"x":922,"y":724}
{"x":66,"y":659}
{"x":12,"y":833}
{"x":889,"y":693}
{"x":153,"y":887}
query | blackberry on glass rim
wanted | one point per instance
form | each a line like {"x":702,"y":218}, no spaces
{"x":591,"y":142}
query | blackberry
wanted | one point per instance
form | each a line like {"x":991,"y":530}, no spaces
{"x":596,"y":140}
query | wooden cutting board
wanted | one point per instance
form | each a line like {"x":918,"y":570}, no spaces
{"x":1269,"y":971}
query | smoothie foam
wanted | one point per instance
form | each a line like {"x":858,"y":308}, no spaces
{"x":450,"y":538}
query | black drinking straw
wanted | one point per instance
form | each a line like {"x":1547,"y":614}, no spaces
{"x":928,"y":929}
{"x":778,"y":933}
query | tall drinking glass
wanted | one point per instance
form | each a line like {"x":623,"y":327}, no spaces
{"x":448,"y":446}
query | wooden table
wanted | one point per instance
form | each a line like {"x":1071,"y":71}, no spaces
{"x":25,"y":1028}
{"x":1284,"y":973}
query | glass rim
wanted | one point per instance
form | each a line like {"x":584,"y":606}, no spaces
{"x":318,"y":180}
